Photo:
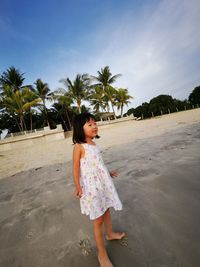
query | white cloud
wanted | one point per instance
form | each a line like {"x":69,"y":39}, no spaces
{"x":157,"y":53}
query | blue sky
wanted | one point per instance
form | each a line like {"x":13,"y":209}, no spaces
{"x":155,"y":45}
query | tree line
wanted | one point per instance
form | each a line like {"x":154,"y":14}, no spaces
{"x":23,"y":107}
{"x":163,"y":104}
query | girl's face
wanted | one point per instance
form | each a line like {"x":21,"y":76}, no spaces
{"x":90,"y":128}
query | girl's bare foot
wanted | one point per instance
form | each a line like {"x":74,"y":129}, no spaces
{"x":104,"y":261}
{"x":117,"y":235}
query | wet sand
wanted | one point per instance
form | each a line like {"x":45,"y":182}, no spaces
{"x":159,"y":185}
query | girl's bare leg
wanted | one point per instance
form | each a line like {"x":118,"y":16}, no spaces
{"x":110,"y":235}
{"x":102,"y":254}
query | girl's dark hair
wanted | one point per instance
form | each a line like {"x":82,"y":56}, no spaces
{"x":78,"y":122}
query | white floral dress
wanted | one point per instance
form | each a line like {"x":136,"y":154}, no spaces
{"x":99,"y":192}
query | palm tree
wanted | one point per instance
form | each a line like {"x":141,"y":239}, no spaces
{"x":110,"y":93}
{"x":78,"y":90}
{"x":13,"y":78}
{"x":122,"y":98}
{"x":43,"y":92}
{"x":106,"y":102}
{"x":6,"y":94}
{"x":105,"y":79}
{"x":16,"y":103}
{"x":63,"y":101}
{"x":31,"y":96}
{"x":97,"y":98}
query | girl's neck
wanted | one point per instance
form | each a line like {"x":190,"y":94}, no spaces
{"x":89,"y":140}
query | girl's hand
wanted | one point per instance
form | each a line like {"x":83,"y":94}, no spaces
{"x":78,"y":192}
{"x":113,"y":174}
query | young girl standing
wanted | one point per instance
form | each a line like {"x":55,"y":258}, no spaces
{"x":93,"y":183}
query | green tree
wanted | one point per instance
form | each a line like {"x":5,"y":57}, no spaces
{"x":142,"y":111}
{"x":181,"y":104}
{"x":105,"y":77}
{"x":111,"y":93}
{"x":17,"y":103}
{"x":62,"y":105}
{"x":31,"y":97}
{"x":42,"y":91}
{"x":12,"y":77}
{"x":78,"y":90}
{"x":194,"y":97}
{"x":104,"y":80}
{"x":122,"y":98}
{"x":97,"y":99}
{"x":161,"y":103}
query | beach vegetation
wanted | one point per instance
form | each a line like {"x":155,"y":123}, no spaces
{"x":24,"y":107}
{"x":63,"y":108}
{"x":98,"y":99}
{"x":43,"y":92}
{"x":12,"y":77}
{"x":194,"y":97}
{"x":78,"y":90}
{"x":16,"y":103}
{"x":104,"y":80}
{"x":161,"y":102}
{"x":122,"y":98}
{"x":159,"y":105}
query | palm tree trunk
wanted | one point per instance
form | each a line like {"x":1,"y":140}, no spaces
{"x":67,"y":115}
{"x":46,"y":114}
{"x":63,"y":121}
{"x":79,"y":105}
{"x":113,"y":109}
{"x":122,"y":110}
{"x":108,"y":108}
{"x":21,"y":123}
{"x":24,"y":122}
{"x":31,"y":121}
{"x":18,"y":124}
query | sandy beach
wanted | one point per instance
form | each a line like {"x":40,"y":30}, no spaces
{"x":159,"y":185}
{"x":43,"y":154}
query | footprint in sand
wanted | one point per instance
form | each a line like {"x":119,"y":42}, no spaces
{"x":124,"y":241}
{"x":62,"y":252}
{"x":85,"y":246}
{"x":30,"y":235}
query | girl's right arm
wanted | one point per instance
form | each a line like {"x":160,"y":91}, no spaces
{"x":76,"y":170}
